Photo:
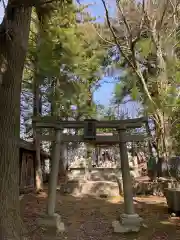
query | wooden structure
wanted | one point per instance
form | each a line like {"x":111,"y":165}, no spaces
{"x":27,"y":163}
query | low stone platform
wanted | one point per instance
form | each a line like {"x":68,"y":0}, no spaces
{"x":93,"y":188}
{"x":94,"y":174}
{"x":141,"y":186}
{"x":145,"y":186}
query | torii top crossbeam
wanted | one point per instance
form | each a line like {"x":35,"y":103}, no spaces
{"x":55,"y":122}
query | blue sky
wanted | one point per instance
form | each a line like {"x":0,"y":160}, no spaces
{"x":1,"y":11}
{"x":104,"y":93}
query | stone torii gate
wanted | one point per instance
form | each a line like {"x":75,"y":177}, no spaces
{"x":130,"y":221}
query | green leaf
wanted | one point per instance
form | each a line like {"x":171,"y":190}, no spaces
{"x":134,"y":93}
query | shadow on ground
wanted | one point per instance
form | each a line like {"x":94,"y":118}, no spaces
{"x":90,"y":218}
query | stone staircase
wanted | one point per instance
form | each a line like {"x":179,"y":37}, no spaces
{"x":95,"y":174}
{"x":92,"y":188}
{"x":94,"y":182}
{"x":106,"y":182}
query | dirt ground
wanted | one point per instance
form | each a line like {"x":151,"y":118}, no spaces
{"x":89,"y":218}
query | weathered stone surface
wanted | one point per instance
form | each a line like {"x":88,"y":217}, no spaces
{"x":131,"y":220}
{"x":93,"y":188}
{"x":128,"y":223}
{"x":120,"y":228}
{"x":98,"y":174}
{"x":95,"y":174}
{"x":52,"y":222}
{"x":98,"y":184}
{"x":99,"y":188}
{"x":147,"y":187}
{"x":60,"y":227}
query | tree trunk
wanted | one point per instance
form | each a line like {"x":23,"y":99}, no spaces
{"x":37,"y":109}
{"x":13,"y":46}
{"x":164,"y":141}
{"x":39,"y":175}
{"x":55,"y":112}
{"x":164,"y":144}
{"x":150,"y":144}
{"x":36,"y":112}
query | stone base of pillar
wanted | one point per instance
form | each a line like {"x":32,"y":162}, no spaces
{"x":54,"y":222}
{"x":127,"y":223}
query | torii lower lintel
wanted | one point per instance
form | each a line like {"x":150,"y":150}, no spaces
{"x":99,"y":139}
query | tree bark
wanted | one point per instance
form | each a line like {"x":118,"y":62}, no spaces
{"x":39,"y":175}
{"x":164,"y":143}
{"x":13,"y":47}
{"x":36,"y":112}
{"x":37,"y":107}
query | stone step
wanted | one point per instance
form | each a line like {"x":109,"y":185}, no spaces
{"x":98,"y":174}
{"x":103,"y":174}
{"x":93,"y":188}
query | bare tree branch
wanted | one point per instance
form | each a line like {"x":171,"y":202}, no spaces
{"x":105,"y":40}
{"x":124,"y":20}
{"x":132,"y":42}
{"x":163,"y":14}
{"x":114,"y":35}
{"x":134,"y":65}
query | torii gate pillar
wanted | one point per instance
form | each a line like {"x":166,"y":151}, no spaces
{"x":130,"y":221}
{"x":52,"y":219}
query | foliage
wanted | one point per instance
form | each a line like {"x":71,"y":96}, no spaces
{"x":146,"y":37}
{"x":68,"y":58}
